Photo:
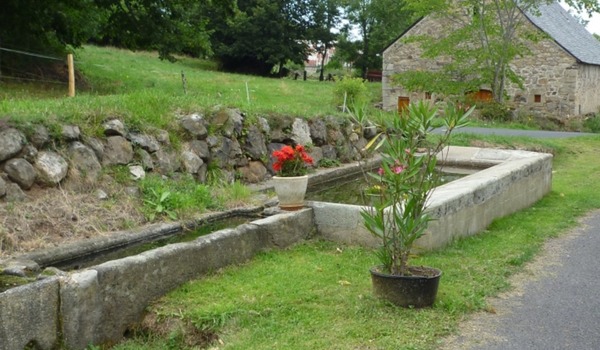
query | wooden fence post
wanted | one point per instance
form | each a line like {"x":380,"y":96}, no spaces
{"x":71,"y":75}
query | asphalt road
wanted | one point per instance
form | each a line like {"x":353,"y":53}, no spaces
{"x":556,"y":301}
{"x":514,"y":132}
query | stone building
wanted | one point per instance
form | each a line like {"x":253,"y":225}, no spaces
{"x":561,"y":76}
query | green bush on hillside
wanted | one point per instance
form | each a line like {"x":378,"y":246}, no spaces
{"x":354,"y":90}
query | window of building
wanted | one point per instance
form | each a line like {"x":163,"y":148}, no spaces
{"x":537,"y":98}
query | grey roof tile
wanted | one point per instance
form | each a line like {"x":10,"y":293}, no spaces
{"x":567,"y":32}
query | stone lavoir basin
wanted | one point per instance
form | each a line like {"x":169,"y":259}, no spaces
{"x":97,"y":305}
{"x":507,"y":182}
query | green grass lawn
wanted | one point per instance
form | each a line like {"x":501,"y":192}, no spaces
{"x":317,"y":295}
{"x":141,"y":89}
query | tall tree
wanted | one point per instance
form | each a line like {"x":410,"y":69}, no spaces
{"x":325,"y":17}
{"x":168,"y":26}
{"x":347,"y":51}
{"x":379,"y":22}
{"x":261,"y":35}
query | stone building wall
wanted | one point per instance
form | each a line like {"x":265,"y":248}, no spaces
{"x":554,"y":83}
{"x":550,"y":73}
{"x":402,"y":57}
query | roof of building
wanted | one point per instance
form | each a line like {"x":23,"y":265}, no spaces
{"x":563,"y":28}
{"x":567,"y":32}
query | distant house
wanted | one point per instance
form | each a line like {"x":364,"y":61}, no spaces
{"x":561,"y":77}
{"x":315,"y":58}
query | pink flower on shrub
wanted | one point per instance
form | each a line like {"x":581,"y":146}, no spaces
{"x":398,"y":169}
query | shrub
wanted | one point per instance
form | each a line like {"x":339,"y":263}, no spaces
{"x":354,"y":89}
{"x":592,"y":123}
{"x":328,"y":163}
{"x":495,"y":111}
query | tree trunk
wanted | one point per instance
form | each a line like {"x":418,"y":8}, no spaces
{"x":323,"y":56}
{"x":365,"y":58}
{"x":321,"y":76}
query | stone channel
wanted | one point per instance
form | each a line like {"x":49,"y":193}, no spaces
{"x":97,"y":305}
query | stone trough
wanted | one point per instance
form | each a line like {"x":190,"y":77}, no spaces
{"x":99,"y":304}
{"x":507,"y":182}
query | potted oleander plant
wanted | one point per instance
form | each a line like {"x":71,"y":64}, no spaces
{"x":291,"y":164}
{"x":400,"y":196}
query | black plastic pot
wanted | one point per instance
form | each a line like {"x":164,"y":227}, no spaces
{"x":418,"y":290}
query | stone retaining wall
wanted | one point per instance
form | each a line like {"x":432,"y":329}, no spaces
{"x":238,"y":145}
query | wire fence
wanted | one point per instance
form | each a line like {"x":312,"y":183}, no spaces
{"x":24,"y":73}
{"x":18,"y":70}
{"x":19,"y":73}
{"x":30,"y":54}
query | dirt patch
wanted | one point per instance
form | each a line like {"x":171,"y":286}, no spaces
{"x":54,"y":216}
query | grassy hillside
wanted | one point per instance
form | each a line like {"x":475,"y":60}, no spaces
{"x":144,"y":92}
{"x":137,"y":86}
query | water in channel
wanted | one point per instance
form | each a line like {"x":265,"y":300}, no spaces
{"x":351,"y":191}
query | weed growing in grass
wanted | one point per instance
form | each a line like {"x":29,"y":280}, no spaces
{"x":215,"y":176}
{"x":592,"y":123}
{"x":174,"y":197}
{"x":119,"y":173}
{"x":158,"y":204}
{"x":328,"y":163}
{"x":238,"y":192}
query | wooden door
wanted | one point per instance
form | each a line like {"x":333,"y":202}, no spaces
{"x":403,"y":102}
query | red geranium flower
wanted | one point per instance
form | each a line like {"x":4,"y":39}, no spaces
{"x":291,"y":161}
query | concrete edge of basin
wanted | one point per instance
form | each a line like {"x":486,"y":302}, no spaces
{"x":99,"y":304}
{"x":510,"y":181}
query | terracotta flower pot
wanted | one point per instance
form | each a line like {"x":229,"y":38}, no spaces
{"x":290,"y":191}
{"x":418,"y":290}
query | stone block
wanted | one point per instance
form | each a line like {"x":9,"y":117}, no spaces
{"x":81,"y":309}
{"x":287,"y":228}
{"x":29,"y":316}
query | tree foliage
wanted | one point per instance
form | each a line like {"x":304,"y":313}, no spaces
{"x":262,"y":34}
{"x":325,"y":17}
{"x":44,"y":27}
{"x":379,"y":22}
{"x":168,"y":26}
{"x":257,"y":35}
{"x":35,"y":25}
{"x":243,"y":35}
